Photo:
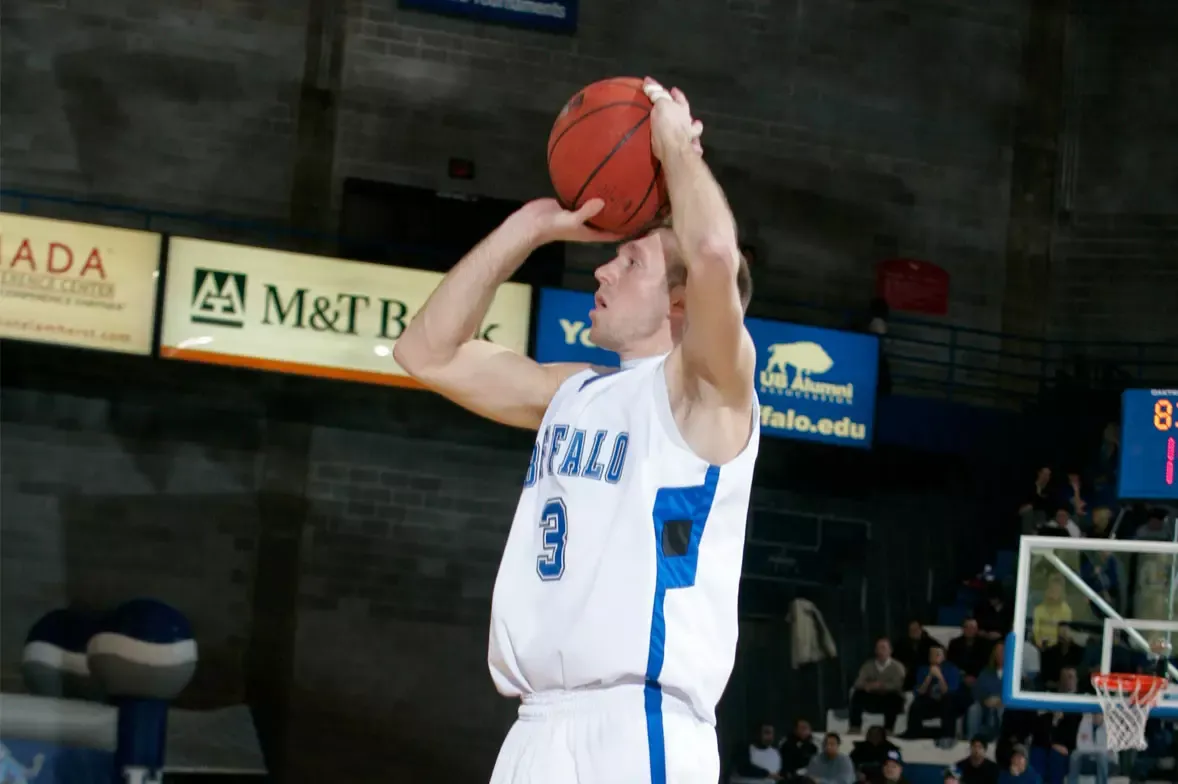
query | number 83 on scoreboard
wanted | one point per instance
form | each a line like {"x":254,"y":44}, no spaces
{"x":1149,"y":442}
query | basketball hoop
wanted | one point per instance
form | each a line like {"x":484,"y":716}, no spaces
{"x":1126,"y":701}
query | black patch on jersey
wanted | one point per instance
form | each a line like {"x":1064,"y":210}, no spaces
{"x":676,"y":537}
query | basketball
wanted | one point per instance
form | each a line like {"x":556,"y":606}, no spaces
{"x":599,"y":148}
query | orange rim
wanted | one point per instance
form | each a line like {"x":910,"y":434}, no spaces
{"x":1141,"y":688}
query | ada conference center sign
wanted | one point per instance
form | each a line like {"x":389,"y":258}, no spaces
{"x":312,"y":315}
{"x":75,"y":284}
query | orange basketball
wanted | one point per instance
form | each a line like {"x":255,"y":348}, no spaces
{"x":599,"y":148}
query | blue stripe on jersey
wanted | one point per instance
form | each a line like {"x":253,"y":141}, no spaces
{"x":674,"y":571}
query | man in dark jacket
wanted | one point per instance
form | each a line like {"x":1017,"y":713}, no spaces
{"x":976,"y":768}
{"x":797,"y":750}
{"x":912,"y":651}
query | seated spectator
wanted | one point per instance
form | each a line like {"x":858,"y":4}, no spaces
{"x":951,"y":776}
{"x":869,"y":754}
{"x":912,"y":651}
{"x":757,"y":762}
{"x":1032,"y":660}
{"x":1054,"y":736}
{"x":1018,"y":772}
{"x":1072,"y":497}
{"x":1063,"y":653}
{"x":892,"y":770}
{"x":831,"y":766}
{"x":1050,"y":613}
{"x":1156,"y":528}
{"x":937,"y":696}
{"x":994,"y":615}
{"x":969,"y":652}
{"x":1061,"y":524}
{"x":1101,"y":572}
{"x":1101,"y":523}
{"x":1091,"y":748}
{"x":1033,"y":509}
{"x":878,"y":688}
{"x":1016,"y":729}
{"x":976,"y":768}
{"x":797,"y":750}
{"x":983,"y":718}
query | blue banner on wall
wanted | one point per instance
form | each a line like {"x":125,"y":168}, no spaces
{"x":555,"y":15}
{"x":562,"y":329}
{"x":814,"y":384}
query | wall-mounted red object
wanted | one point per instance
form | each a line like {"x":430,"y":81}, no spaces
{"x":913,"y":286}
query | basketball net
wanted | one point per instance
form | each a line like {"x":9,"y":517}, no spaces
{"x":1126,"y":701}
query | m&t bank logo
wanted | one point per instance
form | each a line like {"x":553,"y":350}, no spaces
{"x":790,"y":371}
{"x":218,"y":297}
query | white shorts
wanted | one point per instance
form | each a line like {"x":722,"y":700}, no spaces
{"x":620,"y":735}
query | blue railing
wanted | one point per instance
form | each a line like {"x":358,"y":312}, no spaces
{"x":925,"y":357}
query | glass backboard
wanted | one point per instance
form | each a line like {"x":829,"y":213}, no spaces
{"x":1091,"y":605}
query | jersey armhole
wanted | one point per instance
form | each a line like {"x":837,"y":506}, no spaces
{"x":667,"y":418}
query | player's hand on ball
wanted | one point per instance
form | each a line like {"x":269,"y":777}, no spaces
{"x":671,"y":125}
{"x":547,"y":221}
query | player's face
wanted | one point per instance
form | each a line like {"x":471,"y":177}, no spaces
{"x":632,"y":307}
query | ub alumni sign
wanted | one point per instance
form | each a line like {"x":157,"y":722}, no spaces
{"x":273,"y":310}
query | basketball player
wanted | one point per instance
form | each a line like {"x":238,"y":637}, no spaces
{"x":614,"y":615}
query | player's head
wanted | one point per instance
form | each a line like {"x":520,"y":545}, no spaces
{"x":639,"y":307}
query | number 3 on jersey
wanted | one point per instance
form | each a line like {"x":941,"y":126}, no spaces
{"x":554,"y":527}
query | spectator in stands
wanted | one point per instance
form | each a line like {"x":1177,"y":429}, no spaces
{"x":870,"y":753}
{"x":951,"y":776}
{"x":1061,"y":524}
{"x":879,"y":688}
{"x":1072,"y":497}
{"x":1054,"y":736}
{"x":969,"y":652}
{"x":1091,"y":747}
{"x":913,"y":652}
{"x":1063,"y":653}
{"x":1018,"y":772}
{"x":937,"y":696}
{"x":994,"y":615}
{"x":1035,"y":505}
{"x":756,"y":762}
{"x":976,"y":768}
{"x":831,"y":766}
{"x":1050,"y":613}
{"x":798,"y":749}
{"x":984,"y":717}
{"x":1101,"y":571}
{"x":892,"y":770}
{"x":1156,"y":528}
{"x":1101,"y":523}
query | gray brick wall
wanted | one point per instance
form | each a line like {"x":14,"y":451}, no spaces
{"x":173,"y":104}
{"x":844,"y":131}
{"x":1113,"y":267}
{"x":96,"y":512}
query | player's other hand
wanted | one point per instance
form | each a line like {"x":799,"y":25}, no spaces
{"x":671,"y":125}
{"x":546,"y":221}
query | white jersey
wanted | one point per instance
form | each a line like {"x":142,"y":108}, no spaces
{"x":623,"y":562}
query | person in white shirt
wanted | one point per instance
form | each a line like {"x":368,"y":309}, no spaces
{"x":1091,"y":744}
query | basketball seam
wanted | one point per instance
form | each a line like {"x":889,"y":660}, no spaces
{"x":621,"y":143}
{"x":658,"y":169}
{"x":590,"y":113}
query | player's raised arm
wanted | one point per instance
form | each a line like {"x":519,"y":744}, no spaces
{"x":718,"y":357}
{"x":438,"y":347}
